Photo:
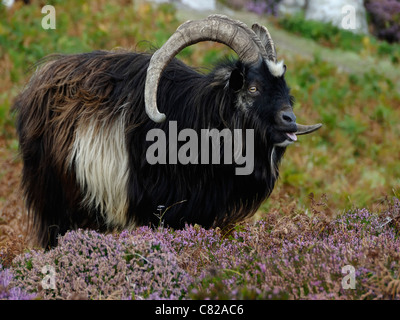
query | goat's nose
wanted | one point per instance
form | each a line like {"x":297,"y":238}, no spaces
{"x":287,"y":118}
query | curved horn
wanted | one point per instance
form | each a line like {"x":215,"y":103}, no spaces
{"x":235,"y":34}
{"x":302,"y":129}
{"x":266,"y":39}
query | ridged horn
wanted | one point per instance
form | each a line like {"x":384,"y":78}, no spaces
{"x":266,"y":40}
{"x":302,"y":129}
{"x":218,"y":28}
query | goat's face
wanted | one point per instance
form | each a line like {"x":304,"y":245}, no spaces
{"x":266,"y":98}
{"x":257,"y":83}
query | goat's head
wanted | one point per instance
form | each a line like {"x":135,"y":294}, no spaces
{"x":258,"y":81}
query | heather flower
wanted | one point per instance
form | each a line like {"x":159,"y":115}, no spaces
{"x":385,"y":16}
{"x":299,"y":256}
{"x":96,"y":266}
{"x":264,"y":265}
{"x":8,"y":292}
{"x":268,"y":7}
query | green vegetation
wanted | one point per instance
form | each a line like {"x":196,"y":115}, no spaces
{"x":81,"y":26}
{"x":353,"y":159}
{"x":331,"y":36}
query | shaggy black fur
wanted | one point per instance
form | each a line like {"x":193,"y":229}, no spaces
{"x":71,"y":87}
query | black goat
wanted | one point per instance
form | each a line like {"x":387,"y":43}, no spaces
{"x":83,"y":133}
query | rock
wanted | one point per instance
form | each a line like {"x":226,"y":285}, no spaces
{"x":345,"y":14}
{"x":291,"y":6}
{"x":202,"y":5}
{"x":8,"y":3}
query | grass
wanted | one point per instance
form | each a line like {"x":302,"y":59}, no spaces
{"x":353,"y":159}
{"x":354,"y":154}
{"x":352,"y":162}
{"x":331,"y":36}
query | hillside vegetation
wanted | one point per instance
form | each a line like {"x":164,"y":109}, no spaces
{"x":334,"y":185}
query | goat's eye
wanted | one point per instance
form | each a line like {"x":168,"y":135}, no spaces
{"x":253,"y":89}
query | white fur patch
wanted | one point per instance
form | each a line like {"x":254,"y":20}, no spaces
{"x":101,"y":164}
{"x":277,"y":69}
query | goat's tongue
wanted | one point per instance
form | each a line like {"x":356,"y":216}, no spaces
{"x":292,"y":136}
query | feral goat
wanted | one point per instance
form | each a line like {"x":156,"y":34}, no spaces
{"x":83,"y":123}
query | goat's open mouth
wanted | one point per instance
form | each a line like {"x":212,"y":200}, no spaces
{"x":285,"y":139}
{"x":292,"y":136}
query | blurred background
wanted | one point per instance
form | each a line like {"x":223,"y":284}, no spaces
{"x":343,"y":66}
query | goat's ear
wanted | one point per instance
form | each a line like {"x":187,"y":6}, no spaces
{"x":236,"y":80}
